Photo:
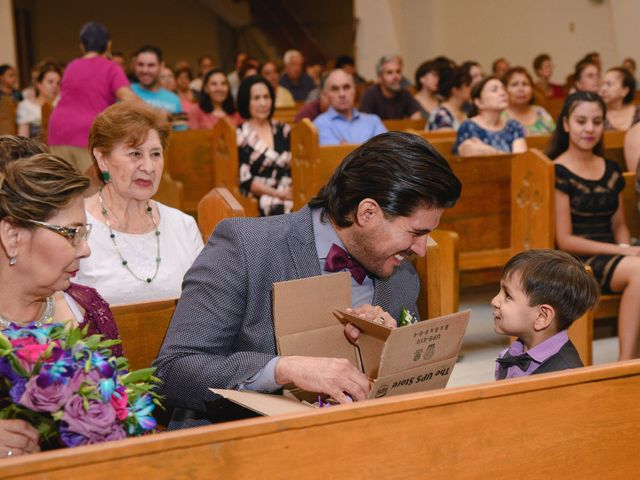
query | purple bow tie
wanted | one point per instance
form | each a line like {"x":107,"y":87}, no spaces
{"x":338,"y":259}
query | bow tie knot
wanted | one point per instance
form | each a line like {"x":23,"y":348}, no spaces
{"x":338,"y":259}
{"x":521,"y":361}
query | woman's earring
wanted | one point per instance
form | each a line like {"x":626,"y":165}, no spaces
{"x":105,"y":176}
{"x":13,"y":261}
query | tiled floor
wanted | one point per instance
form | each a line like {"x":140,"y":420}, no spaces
{"x":481,"y":344}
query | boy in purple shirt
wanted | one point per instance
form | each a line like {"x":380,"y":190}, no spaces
{"x":542,"y":292}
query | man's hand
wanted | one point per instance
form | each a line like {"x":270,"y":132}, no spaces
{"x":336,"y":377}
{"x":368,"y":312}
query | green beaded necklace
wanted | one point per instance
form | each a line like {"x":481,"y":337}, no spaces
{"x":112,"y":235}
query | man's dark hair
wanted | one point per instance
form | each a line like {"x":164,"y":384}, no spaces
{"x":539,"y":60}
{"x":94,"y":37}
{"x":555,"y":278}
{"x":343,"y":60}
{"x":400,"y":171}
{"x":150,"y":49}
{"x":244,"y":95}
{"x":451,"y":78}
{"x":423,"y":69}
{"x":206,"y":105}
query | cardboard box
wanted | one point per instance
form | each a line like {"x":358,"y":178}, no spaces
{"x":309,"y":320}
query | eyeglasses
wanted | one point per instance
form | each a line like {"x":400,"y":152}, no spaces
{"x":75,"y":234}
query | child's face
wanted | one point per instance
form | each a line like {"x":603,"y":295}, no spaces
{"x":512,"y":314}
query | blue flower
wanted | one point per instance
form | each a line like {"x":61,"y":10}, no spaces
{"x":105,"y":365}
{"x":41,"y":333}
{"x":107,"y":389}
{"x":141,"y":410}
{"x":59,"y":369}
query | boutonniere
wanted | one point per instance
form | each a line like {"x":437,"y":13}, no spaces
{"x":406,"y":318}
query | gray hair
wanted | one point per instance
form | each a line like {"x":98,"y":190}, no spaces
{"x":289,"y":54}
{"x":325,"y":77}
{"x":385,"y":59}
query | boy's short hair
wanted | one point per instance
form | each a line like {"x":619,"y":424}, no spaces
{"x":557,"y":279}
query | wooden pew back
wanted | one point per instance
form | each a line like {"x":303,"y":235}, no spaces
{"x":189,"y":158}
{"x":577,"y":424}
{"x":46,"y":111}
{"x":312,"y":165}
{"x":226,"y":164}
{"x":216,"y":205}
{"x":482,"y":215}
{"x":142,"y":327}
{"x":170,"y":192}
{"x":8,"y":109}
{"x":403,"y":124}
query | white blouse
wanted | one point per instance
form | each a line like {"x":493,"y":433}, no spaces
{"x":180,"y":244}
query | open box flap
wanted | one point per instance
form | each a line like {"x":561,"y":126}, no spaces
{"x":419,"y":379}
{"x":423,"y":343}
{"x":321,"y":342}
{"x":263,"y":403}
{"x":308,"y":303}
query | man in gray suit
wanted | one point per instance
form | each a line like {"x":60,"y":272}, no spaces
{"x":377,"y":209}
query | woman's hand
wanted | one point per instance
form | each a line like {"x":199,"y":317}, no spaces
{"x":285,"y":194}
{"x":474,"y":146}
{"x":17,"y":437}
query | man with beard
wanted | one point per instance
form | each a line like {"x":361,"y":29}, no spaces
{"x":377,"y":209}
{"x":387,"y":98}
{"x":148,"y":66}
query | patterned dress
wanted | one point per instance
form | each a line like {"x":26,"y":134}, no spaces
{"x":543,"y":124}
{"x":593,"y":204}
{"x":501,"y":140}
{"x":261,"y":163}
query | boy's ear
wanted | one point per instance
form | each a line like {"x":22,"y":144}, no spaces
{"x":546,"y":317}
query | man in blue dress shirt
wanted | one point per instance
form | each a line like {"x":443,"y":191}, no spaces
{"x":342,"y":123}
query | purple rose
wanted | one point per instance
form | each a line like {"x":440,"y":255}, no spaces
{"x":51,"y":398}
{"x":116,"y":433}
{"x":100,"y":419}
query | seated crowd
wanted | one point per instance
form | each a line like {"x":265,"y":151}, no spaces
{"x":104,"y":163}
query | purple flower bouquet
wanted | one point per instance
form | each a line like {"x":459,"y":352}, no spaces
{"x":70,"y":387}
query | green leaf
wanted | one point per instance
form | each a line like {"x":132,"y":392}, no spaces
{"x":137,"y":375}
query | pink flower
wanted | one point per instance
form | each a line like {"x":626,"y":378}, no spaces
{"x":51,"y":398}
{"x":120,"y":404}
{"x":28,"y":355}
{"x":100,"y":419}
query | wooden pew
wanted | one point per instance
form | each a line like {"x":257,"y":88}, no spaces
{"x":613,"y":143}
{"x":170,"y":192}
{"x":574,"y":424}
{"x":403,"y":124}
{"x":226,"y":167}
{"x":311,"y":164}
{"x":46,"y":111}
{"x":216,"y":205}
{"x":189,"y":158}
{"x":286,"y":115}
{"x":439,"y":275}
{"x":533,"y":214}
{"x":142,"y":327}
{"x":482,"y":215}
{"x":8,"y":109}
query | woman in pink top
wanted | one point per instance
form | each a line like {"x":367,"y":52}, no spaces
{"x":216,"y":102}
{"x":89,"y":85}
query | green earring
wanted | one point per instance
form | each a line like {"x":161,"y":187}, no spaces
{"x":105,"y":176}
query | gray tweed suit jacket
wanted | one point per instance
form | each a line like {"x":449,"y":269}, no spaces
{"x":222,"y":330}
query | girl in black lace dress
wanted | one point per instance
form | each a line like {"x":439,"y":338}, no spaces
{"x":589,"y":215}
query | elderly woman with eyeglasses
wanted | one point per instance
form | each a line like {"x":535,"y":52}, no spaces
{"x":43,"y":237}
